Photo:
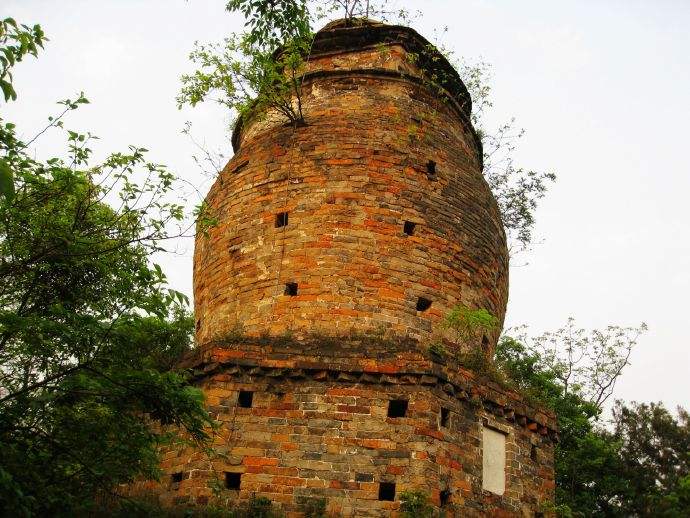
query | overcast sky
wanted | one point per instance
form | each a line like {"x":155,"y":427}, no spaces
{"x":601,"y":86}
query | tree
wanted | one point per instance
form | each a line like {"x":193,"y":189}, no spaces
{"x":88,"y":328}
{"x":637,"y":466}
{"x":16,"y":42}
{"x":574,"y":372}
{"x":585,"y":363}
{"x":654,"y":459}
{"x":258,"y":70}
{"x":585,"y":462}
{"x":248,"y":79}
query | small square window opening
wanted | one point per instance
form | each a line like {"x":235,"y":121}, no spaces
{"x":281,"y":219}
{"x":444,"y":497}
{"x":233,"y":480}
{"x":431,"y":168}
{"x":485,"y":343}
{"x":423,"y":304}
{"x":408,"y":227}
{"x":245,"y":398}
{"x":387,"y":491}
{"x":291,"y":289}
{"x":445,"y":417}
{"x":240,"y":167}
{"x":397,"y":408}
{"x":176,"y":478}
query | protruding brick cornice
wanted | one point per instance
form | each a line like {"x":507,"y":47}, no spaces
{"x":379,"y":73}
{"x":339,"y":37}
{"x":282,"y":361}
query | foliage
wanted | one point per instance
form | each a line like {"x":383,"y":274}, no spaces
{"x":88,"y":329}
{"x":654,"y":459}
{"x":586,"y":363}
{"x":247,"y":78}
{"x":258,"y":70}
{"x":354,"y":10}
{"x":259,"y":507}
{"x":468,"y":329}
{"x":415,"y":504}
{"x":350,"y":9}
{"x":639,"y":467}
{"x":584,"y":461}
{"x":469,"y":325}
{"x":517,"y":190}
{"x":313,"y":507}
{"x":272,"y":23}
{"x":149,"y":507}
{"x":437,"y":348}
{"x":16,"y":42}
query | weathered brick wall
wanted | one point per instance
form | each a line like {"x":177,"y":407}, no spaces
{"x":280,"y":307}
{"x":349,"y":180}
{"x":318,"y":427}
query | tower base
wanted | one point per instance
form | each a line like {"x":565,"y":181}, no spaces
{"x":312,"y":419}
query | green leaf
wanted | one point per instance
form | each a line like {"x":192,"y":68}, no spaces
{"x":8,"y":91}
{"x":6,"y":181}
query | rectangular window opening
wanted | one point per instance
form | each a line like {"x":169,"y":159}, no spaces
{"x":232,"y":480}
{"x":493,"y":461}
{"x":533,"y":453}
{"x":244,"y":400}
{"x":423,"y":304}
{"x":397,"y":408}
{"x":445,"y":417}
{"x":176,"y":478}
{"x":387,"y":491}
{"x":281,"y":219}
{"x":485,"y":343}
{"x":444,"y":497}
{"x":408,"y":227}
{"x":291,"y":289}
{"x":431,"y":168}
{"x":239,"y":167}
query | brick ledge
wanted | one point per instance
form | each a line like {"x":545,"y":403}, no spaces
{"x":398,"y":364}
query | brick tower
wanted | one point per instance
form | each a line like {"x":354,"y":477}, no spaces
{"x":340,"y":245}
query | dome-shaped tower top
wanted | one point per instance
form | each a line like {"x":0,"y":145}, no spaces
{"x":358,"y":34}
{"x":374,"y":216}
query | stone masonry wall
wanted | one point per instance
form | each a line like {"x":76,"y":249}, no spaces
{"x":348,"y":182}
{"x":319,"y":427}
{"x":372,"y":220}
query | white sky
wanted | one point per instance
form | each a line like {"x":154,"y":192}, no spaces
{"x":602,"y":87}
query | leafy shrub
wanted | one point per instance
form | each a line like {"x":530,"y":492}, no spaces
{"x":147,"y":506}
{"x":469,"y":325}
{"x":415,"y":504}
{"x":314,"y":507}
